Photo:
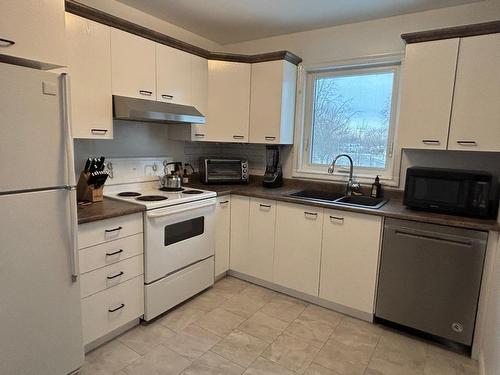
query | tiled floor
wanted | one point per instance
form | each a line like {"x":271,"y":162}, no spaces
{"x":240,"y":328}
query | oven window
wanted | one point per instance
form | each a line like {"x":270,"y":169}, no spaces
{"x":185,"y":229}
{"x":437,"y":190}
{"x":224,"y":170}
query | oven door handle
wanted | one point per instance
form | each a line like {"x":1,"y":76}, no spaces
{"x":181,"y":208}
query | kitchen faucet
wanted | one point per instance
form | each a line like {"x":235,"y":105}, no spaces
{"x":351,"y":185}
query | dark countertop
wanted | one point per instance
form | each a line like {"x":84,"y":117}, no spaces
{"x":393,"y":209}
{"x":106,"y":209}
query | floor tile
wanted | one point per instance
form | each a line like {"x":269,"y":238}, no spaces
{"x":240,"y":348}
{"x":445,"y":362}
{"x":213,"y":364}
{"x":314,"y":312}
{"x":229,"y":286}
{"x":284,"y":308}
{"x":220,"y":321}
{"x":145,"y":338}
{"x":181,"y":317}
{"x":160,"y":361}
{"x":263,"y":366}
{"x":110,"y":357}
{"x":206,"y":301}
{"x":192,"y":342}
{"x":243,"y":305}
{"x":292,"y":352}
{"x":263,"y":326}
{"x":315,"y":331}
{"x":316,"y":369}
{"x":256,"y":291}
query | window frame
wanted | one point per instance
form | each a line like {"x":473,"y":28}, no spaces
{"x":305,"y":96}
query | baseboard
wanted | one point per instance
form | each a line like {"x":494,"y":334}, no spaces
{"x":110,"y":336}
{"x":305,"y":297}
{"x":220,"y":276}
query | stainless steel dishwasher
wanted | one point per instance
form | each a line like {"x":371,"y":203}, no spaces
{"x":429,"y":280}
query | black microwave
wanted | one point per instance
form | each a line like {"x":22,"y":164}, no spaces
{"x":450,"y":191}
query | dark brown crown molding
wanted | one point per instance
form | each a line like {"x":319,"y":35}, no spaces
{"x":97,"y":15}
{"x":452,"y":32}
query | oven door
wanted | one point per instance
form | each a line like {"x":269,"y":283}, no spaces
{"x":178,"y":236}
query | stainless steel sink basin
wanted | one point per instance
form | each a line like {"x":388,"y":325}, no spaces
{"x":339,"y":198}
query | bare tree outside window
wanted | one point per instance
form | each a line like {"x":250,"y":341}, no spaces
{"x":351,"y":114}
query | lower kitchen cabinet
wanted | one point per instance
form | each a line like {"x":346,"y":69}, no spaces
{"x":349,"y":260}
{"x":297,"y":252}
{"x":252,"y":236}
{"x":222,"y":234}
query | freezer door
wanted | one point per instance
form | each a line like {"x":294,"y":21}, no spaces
{"x":32,"y":136}
{"x":40,"y":312}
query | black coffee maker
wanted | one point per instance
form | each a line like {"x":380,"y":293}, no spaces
{"x":273,"y":177}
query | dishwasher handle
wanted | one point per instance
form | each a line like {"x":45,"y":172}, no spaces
{"x":434,"y":237}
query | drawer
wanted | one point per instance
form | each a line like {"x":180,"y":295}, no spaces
{"x":112,"y":308}
{"x":110,"y":276}
{"x":97,"y":232}
{"x":111,"y":252}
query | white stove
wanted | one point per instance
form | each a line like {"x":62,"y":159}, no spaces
{"x":179,"y":226}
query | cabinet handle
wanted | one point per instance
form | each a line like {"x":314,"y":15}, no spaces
{"x":146,"y":92}
{"x":117,"y":308}
{"x":6,"y":42}
{"x":199,"y":134}
{"x":312,"y":214}
{"x":238,"y":137}
{"x":431,"y":141}
{"x":225,"y":202}
{"x":98,"y":131}
{"x":265,"y":205}
{"x":337,"y":218}
{"x":115,"y":276}
{"x":115,"y":253}
{"x":467,"y":143}
{"x":112,"y":230}
{"x":165,"y":96}
{"x":267,"y":138}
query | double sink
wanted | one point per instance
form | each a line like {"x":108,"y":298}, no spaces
{"x":339,"y":198}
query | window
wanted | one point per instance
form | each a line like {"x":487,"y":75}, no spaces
{"x":350,"y":110}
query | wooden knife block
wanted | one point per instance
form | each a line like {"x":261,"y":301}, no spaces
{"x":86,"y":193}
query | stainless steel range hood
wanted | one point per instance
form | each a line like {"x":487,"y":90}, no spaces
{"x":133,"y":109}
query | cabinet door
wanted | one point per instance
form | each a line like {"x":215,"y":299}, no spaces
{"x":222,"y":234}
{"x":199,"y":93}
{"x":476,"y":105}
{"x":240,"y":217}
{"x":90,"y":74}
{"x":349,"y":259}
{"x":272,"y":102}
{"x":228,"y":101}
{"x":173,"y":75}
{"x":33,"y":30}
{"x":426,"y":99}
{"x":298,"y":247}
{"x":133,"y":65}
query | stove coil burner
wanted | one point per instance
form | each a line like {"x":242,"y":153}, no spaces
{"x":129,"y":194}
{"x":171,"y":189}
{"x":192,"y":192}
{"x":152,"y":198}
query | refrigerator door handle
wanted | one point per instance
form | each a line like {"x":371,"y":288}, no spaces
{"x":66,"y":118}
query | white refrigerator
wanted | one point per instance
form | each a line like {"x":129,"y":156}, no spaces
{"x":40,"y":312}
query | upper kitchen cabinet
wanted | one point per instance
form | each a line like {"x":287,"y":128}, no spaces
{"x":89,"y":61}
{"x":475,"y":115}
{"x":228,"y":101}
{"x":199,"y":93}
{"x":272,"y":102}
{"x":173,"y":75}
{"x":133,"y":65}
{"x":32,"y":32}
{"x":427,"y":94}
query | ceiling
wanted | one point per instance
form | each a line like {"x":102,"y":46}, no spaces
{"x":230,"y":21}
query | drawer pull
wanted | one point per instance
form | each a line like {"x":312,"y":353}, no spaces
{"x":265,"y":205}
{"x":98,"y":131}
{"x":467,"y":143}
{"x":6,"y":42}
{"x":238,"y":137}
{"x":115,"y":276}
{"x":112,"y":230}
{"x":311,"y":214}
{"x":146,"y":92}
{"x":337,"y":218}
{"x":224,"y":202}
{"x":268,"y":138}
{"x":165,"y":96}
{"x":115,"y":253}
{"x":117,"y":308}
{"x":199,"y":135}
{"x":431,"y":141}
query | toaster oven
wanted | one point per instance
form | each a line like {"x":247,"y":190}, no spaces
{"x":223,"y":171}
